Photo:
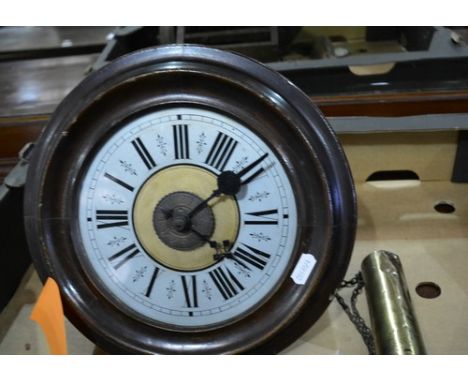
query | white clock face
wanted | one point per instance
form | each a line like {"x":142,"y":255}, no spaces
{"x":153,"y":244}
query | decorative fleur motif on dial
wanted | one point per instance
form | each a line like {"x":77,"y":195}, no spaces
{"x":206,"y":290}
{"x":260,"y":236}
{"x":117,"y":241}
{"x":171,"y":290}
{"x":201,"y":143}
{"x":139,"y":273}
{"x":259,"y":196}
{"x":161,"y":145}
{"x":112,"y":199}
{"x":240,"y":164}
{"x":241,"y":270}
{"x":128,"y":167}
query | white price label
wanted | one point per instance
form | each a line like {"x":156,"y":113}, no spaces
{"x":303,"y":268}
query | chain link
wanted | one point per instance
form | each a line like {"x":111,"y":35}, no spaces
{"x":349,"y":283}
{"x":352,"y":312}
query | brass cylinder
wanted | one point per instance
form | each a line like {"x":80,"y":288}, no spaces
{"x":393,"y":321}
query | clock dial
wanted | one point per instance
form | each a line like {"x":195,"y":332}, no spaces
{"x":143,"y":244}
{"x":174,"y":194}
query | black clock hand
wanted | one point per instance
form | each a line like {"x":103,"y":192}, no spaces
{"x":229,"y":183}
{"x":206,"y":238}
{"x":203,"y":204}
{"x":222,"y":250}
{"x":251,"y":166}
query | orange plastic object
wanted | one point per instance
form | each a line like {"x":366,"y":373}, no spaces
{"x":48,"y":313}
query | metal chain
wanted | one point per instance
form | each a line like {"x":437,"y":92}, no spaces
{"x":358,"y":282}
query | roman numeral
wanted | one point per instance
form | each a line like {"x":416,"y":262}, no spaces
{"x":106,"y":218}
{"x":124,"y":255}
{"x":181,"y":142}
{"x":227,"y":284}
{"x":266,"y":217}
{"x":191,"y":298}
{"x":253,"y":256}
{"x":143,"y":153}
{"x":151,"y":283}
{"x":119,"y":182}
{"x":221,"y":151}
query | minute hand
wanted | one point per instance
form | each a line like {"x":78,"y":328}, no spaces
{"x":250,"y":167}
{"x":230,"y":183}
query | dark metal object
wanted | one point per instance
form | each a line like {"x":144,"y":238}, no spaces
{"x":460,"y":165}
{"x":393,"y":320}
{"x":175,"y":228}
{"x":261,"y":43}
{"x":413,"y":38}
{"x":240,"y":88}
{"x":14,"y":254}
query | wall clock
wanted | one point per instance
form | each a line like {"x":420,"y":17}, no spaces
{"x":190,"y":200}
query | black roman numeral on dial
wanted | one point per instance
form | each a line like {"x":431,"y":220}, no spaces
{"x":226,"y":283}
{"x":111,"y":218}
{"x":181,"y":142}
{"x":124,"y":255}
{"x":221,"y":151}
{"x":252,"y":256}
{"x":151,"y":283}
{"x":119,"y":182}
{"x":144,"y":153}
{"x":268,"y":217}
{"x":190,"y":293}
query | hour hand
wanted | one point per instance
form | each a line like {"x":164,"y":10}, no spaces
{"x":212,"y":243}
{"x":222,"y":250}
